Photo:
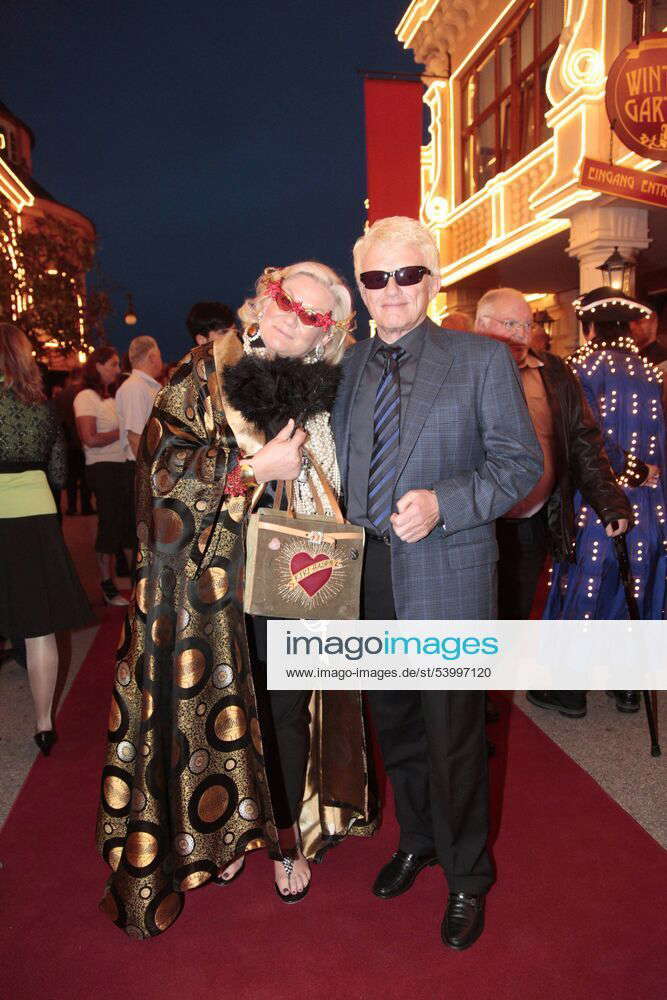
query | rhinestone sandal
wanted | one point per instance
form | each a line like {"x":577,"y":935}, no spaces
{"x":287,"y":862}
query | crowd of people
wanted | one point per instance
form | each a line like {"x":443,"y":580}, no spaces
{"x":468,"y":465}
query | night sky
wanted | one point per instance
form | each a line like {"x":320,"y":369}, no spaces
{"x":205,"y":140}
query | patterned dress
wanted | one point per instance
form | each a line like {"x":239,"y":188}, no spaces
{"x":624,"y":393}
{"x":184,"y":788}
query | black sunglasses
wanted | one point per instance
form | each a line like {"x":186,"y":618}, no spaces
{"x":402,"y":276}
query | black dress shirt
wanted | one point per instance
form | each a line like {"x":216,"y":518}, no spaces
{"x":361,"y":428}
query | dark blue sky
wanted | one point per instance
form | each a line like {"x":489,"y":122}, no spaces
{"x":204,"y":140}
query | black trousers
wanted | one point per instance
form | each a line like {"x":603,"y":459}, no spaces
{"x":115,"y":519}
{"x":76,"y":480}
{"x":284,"y":721}
{"x":523,"y":545}
{"x":434,"y":750}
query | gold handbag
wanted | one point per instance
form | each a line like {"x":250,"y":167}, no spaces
{"x":303,"y":565}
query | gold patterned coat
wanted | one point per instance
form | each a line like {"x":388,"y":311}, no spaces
{"x":184,"y":788}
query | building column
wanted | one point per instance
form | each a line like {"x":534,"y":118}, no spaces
{"x":594,"y":233}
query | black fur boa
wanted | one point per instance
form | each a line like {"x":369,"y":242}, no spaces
{"x":269,"y":393}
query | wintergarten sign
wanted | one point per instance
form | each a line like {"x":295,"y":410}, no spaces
{"x":636,"y":96}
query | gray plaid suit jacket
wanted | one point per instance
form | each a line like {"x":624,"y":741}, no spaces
{"x":467,"y":435}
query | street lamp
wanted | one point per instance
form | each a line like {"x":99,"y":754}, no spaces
{"x":130,"y":316}
{"x":616,"y":271}
{"x":543,"y":319}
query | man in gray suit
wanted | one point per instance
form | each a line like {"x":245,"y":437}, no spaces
{"x":434,"y":442}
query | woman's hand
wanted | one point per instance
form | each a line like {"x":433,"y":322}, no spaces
{"x":652,"y":477}
{"x":91,"y":437}
{"x":281,"y":457}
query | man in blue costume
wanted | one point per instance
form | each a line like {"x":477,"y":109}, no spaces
{"x":624,"y":393}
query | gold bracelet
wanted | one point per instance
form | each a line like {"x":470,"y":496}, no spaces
{"x":247,"y":474}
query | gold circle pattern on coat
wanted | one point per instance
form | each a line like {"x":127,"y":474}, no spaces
{"x":153,"y":434}
{"x":248,"y":809}
{"x":230,"y":723}
{"x":212,"y":584}
{"x":163,"y":481}
{"x":168,"y":525}
{"x":116,"y":791}
{"x":184,"y":844}
{"x":213,"y":803}
{"x":168,"y":910}
{"x":190,"y":667}
{"x":114,"y":856}
{"x":223,"y":675}
{"x":141,"y":594}
{"x":139,"y":801}
{"x":141,"y":849}
{"x":145,"y":892}
{"x":183,"y":619}
{"x":147,"y":707}
{"x":126,"y":751}
{"x":162,"y":630}
{"x":203,"y":538}
{"x":199,"y":761}
{"x":194,"y":880}
{"x":236,"y":508}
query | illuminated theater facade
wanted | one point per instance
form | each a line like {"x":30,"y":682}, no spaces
{"x":516,"y":94}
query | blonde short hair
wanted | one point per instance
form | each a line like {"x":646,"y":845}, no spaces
{"x":398,"y":229}
{"x":139,"y":348}
{"x":252,"y":308}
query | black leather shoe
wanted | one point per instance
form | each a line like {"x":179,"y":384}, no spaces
{"x":45,"y":740}
{"x":626,"y":701}
{"x":463,"y":921}
{"x":550,"y":700}
{"x":398,"y":875}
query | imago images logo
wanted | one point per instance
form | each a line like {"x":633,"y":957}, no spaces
{"x":636,"y":96}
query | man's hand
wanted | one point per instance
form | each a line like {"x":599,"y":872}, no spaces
{"x":418,"y":514}
{"x":620,"y":529}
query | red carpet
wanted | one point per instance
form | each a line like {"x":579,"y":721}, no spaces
{"x":578,"y":911}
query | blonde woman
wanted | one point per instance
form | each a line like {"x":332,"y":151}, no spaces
{"x":185,"y":790}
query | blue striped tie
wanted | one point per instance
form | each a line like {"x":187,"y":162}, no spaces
{"x":386,"y":439}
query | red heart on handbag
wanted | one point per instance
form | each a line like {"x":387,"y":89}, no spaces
{"x":314,"y":581}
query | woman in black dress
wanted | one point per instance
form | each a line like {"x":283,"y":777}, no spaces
{"x":40,"y":593}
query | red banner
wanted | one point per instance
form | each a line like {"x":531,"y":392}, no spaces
{"x":637,"y":185}
{"x":394,"y":115}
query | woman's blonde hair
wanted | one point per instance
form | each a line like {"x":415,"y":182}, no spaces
{"x":398,"y":229}
{"x":18,"y":366}
{"x":251,"y":310}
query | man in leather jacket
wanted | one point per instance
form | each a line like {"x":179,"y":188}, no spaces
{"x":574,"y":459}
